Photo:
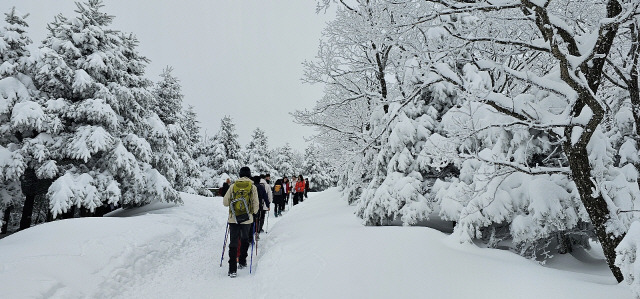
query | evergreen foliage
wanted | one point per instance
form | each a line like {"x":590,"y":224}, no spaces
{"x":257,"y":153}
{"x":93,"y":78}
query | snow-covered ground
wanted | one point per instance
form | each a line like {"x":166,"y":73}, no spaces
{"x":318,"y":249}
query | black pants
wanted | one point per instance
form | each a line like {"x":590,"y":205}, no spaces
{"x":239,"y":235}
{"x":278,"y":205}
{"x":297,"y":197}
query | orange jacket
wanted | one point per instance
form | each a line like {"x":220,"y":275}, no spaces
{"x":300,"y":186}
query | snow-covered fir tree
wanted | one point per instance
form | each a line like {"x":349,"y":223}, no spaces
{"x":257,"y":153}
{"x":317,"y":169}
{"x":94,"y":81}
{"x":174,"y":148}
{"x":220,"y":156}
{"x":25,"y":125}
{"x":191,"y":126}
{"x":283,"y":162}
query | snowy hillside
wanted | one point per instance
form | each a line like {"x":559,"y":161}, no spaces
{"x":318,"y":249}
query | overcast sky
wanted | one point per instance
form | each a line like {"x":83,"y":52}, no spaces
{"x":237,"y":57}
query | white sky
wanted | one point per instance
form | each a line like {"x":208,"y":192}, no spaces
{"x":237,"y":57}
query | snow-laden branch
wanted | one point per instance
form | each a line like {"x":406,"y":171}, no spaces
{"x":522,"y":168}
{"x":559,"y":88}
{"x":455,"y":7}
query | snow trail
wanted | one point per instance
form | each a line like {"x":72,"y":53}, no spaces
{"x":319,"y":249}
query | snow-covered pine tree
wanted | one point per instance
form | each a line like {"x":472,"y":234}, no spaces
{"x":317,"y":169}
{"x":173,"y":151}
{"x":94,"y":81}
{"x":256,"y":154}
{"x":204,"y":157}
{"x":229,"y":145}
{"x":219,"y":156}
{"x":283,"y":162}
{"x":191,"y":126}
{"x":25,"y":126}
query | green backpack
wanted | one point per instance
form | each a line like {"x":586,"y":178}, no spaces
{"x":240,"y":203}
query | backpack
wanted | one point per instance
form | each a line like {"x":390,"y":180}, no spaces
{"x":240,"y":201}
{"x":277,"y":190}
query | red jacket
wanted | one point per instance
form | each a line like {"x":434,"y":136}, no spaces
{"x":300,"y":186}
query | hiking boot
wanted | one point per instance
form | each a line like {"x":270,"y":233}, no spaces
{"x":242,"y":266}
{"x":233,"y":274}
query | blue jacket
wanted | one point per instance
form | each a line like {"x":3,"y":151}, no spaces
{"x":262,"y":195}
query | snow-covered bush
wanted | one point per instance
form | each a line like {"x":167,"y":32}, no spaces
{"x":627,"y":254}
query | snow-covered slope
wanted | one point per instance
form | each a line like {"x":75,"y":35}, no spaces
{"x":318,"y":249}
{"x":97,"y":257}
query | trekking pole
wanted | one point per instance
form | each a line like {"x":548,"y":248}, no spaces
{"x":224,"y":246}
{"x":252,"y":241}
{"x":255,"y":231}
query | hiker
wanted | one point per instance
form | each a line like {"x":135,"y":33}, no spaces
{"x":266,"y":206}
{"x":306,"y":187}
{"x":225,"y":187}
{"x":262,"y":198}
{"x":242,"y":200}
{"x":278,"y":198}
{"x":299,"y":190}
{"x":267,"y":177}
{"x":294,"y":180}
{"x":287,"y":189}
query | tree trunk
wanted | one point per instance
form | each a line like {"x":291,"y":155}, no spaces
{"x":70,"y":213}
{"x":27,"y":211}
{"x":596,"y":206}
{"x":5,"y":218}
{"x":32,"y":186}
{"x":564,"y":243}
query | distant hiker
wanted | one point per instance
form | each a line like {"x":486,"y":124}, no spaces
{"x":266,"y":206}
{"x":294,"y":180}
{"x":287,"y":189}
{"x":299,"y":190}
{"x":225,"y":187}
{"x":278,"y":198}
{"x":306,"y":188}
{"x":267,"y":177}
{"x":242,"y":200}
{"x":262,"y":197}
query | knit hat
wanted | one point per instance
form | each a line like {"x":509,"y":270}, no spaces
{"x":245,"y":172}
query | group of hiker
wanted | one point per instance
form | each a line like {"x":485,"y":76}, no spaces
{"x":249,"y":200}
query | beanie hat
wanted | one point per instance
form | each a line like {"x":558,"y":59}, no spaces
{"x":245,"y":172}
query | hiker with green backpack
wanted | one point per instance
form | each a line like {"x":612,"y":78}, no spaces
{"x":242,"y":200}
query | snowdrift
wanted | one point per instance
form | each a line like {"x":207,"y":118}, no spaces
{"x":97,"y":257}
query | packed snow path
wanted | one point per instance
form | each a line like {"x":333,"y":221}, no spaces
{"x":318,"y":249}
